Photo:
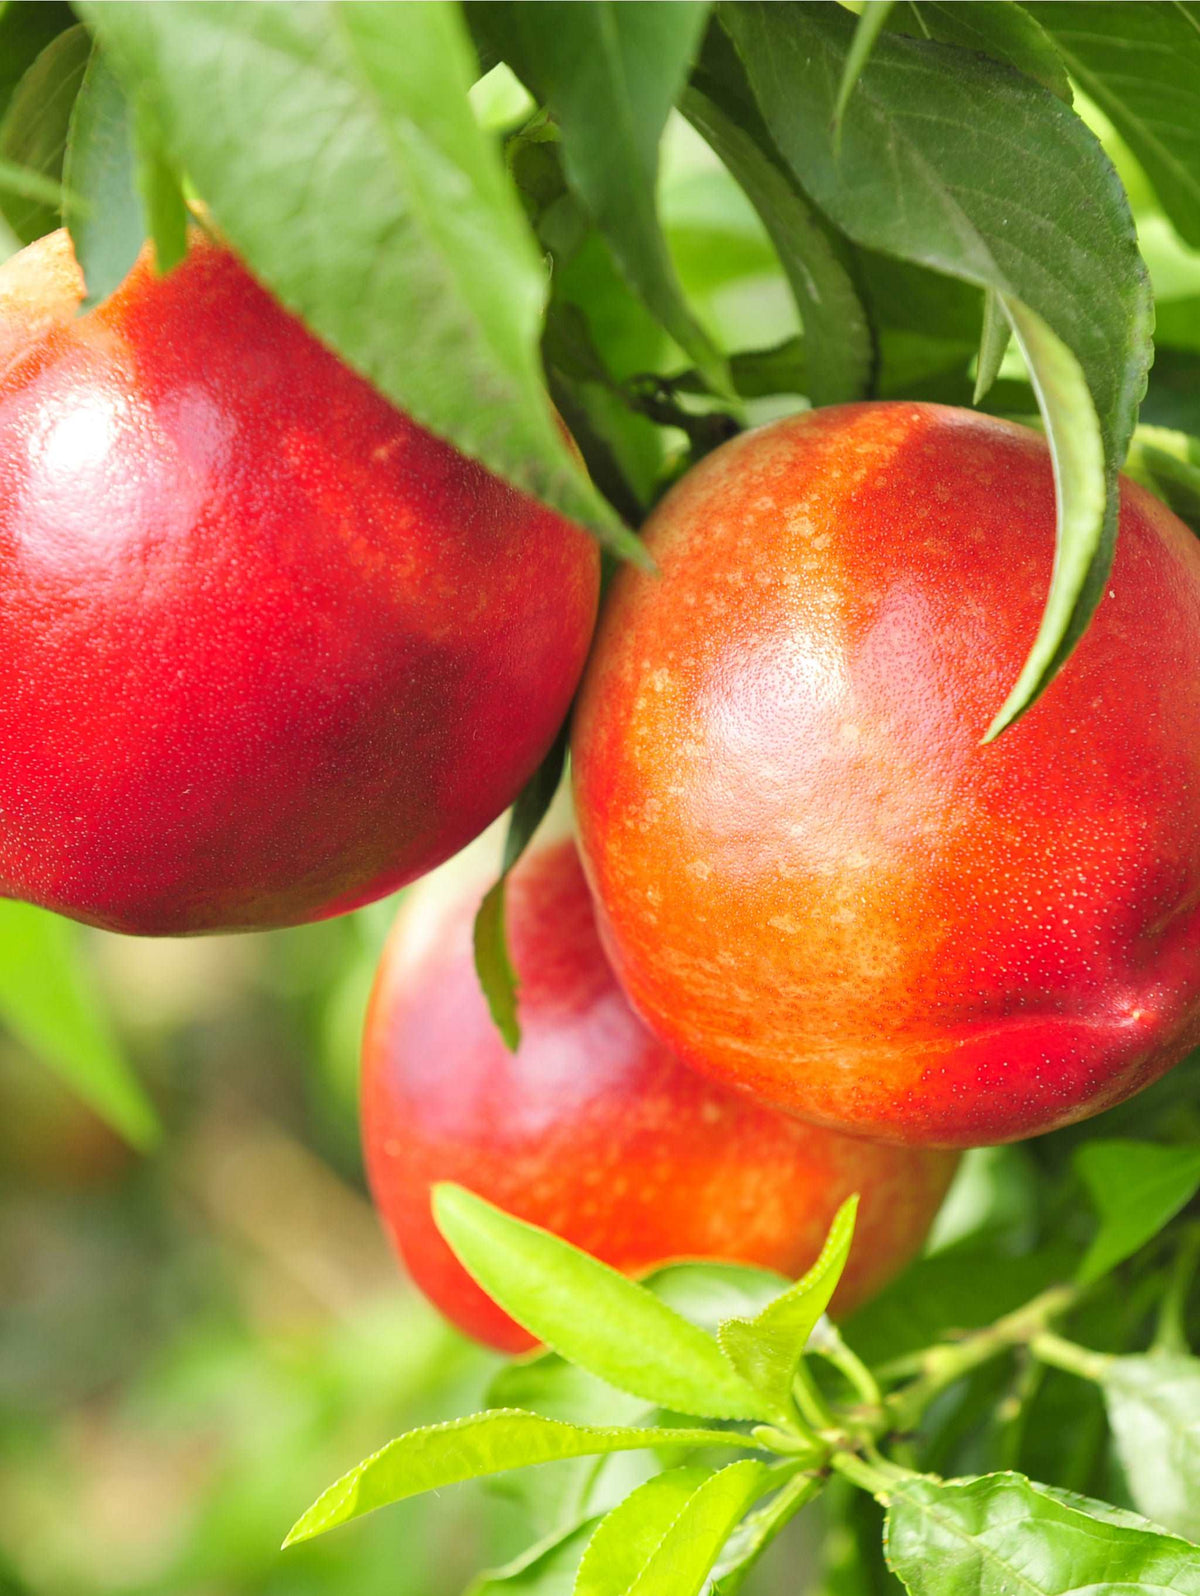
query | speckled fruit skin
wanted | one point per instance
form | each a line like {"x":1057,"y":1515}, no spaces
{"x":815,"y":882}
{"x":592,"y":1128}
{"x":269,"y":649}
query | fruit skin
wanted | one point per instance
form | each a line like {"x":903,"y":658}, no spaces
{"x":592,"y":1129}
{"x":815,"y":882}
{"x":270,"y":649}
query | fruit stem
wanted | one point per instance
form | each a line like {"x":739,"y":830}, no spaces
{"x":827,"y":1340}
{"x":812,"y":1405}
{"x":943,"y":1365}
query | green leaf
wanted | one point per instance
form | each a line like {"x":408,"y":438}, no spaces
{"x":997,"y":28}
{"x":993,"y":343}
{"x":1051,"y":232}
{"x":590,"y":1313}
{"x":627,"y":1536}
{"x":838,"y":348}
{"x":767,"y":1349}
{"x":755,"y":1533}
{"x":545,"y":1569}
{"x":492,"y":963}
{"x":1002,"y":1534}
{"x":161,"y":191}
{"x":49,"y":1002}
{"x":33,"y":133}
{"x":25,"y":31}
{"x":484,"y":1443}
{"x":1141,"y":65}
{"x":1168,"y":463}
{"x":870,"y":24}
{"x":609,"y":74}
{"x":102,"y":212}
{"x":1137,"y":1188}
{"x":1154,"y":1410}
{"x":664,"y":1540}
{"x":707,"y":1294}
{"x":335,"y":147}
{"x":23,"y":183}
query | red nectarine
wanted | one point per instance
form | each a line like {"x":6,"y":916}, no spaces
{"x":815,"y":881}
{"x":592,"y":1129}
{"x":269,"y":649}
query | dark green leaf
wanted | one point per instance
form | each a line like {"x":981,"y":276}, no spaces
{"x":102,"y":213}
{"x":336,"y":147}
{"x":767,"y":1349}
{"x":1051,"y":232}
{"x":161,"y":191}
{"x":992,"y":344}
{"x":25,"y":31}
{"x":492,"y":963}
{"x":609,"y":74}
{"x":1003,"y":1534}
{"x":1154,"y":1409}
{"x":998,"y":28}
{"x":47,"y":999}
{"x":33,"y":134}
{"x":1141,"y":65}
{"x":838,"y":349}
{"x":485,"y":1443}
{"x":1137,"y":1188}
{"x":590,"y":1313}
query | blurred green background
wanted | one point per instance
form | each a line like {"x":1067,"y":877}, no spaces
{"x":195,"y":1342}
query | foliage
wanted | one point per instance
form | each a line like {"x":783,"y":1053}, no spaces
{"x":478,"y":205}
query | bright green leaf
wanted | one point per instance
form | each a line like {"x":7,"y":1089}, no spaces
{"x":755,"y":1533}
{"x":545,"y":1569}
{"x":48,"y":1000}
{"x":1051,"y":232}
{"x":709,"y":1293}
{"x":838,"y":350}
{"x":102,"y":213}
{"x":33,"y":133}
{"x":766,"y":1350}
{"x":1141,"y":65}
{"x":1137,"y":1187}
{"x":590,"y":1313}
{"x":484,"y":1443}
{"x":335,"y":146}
{"x":1168,"y":463}
{"x":1002,"y":1534}
{"x":609,"y":74}
{"x":1154,"y":1410}
{"x":627,"y":1536}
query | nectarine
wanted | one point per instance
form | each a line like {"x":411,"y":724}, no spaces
{"x":592,"y":1129}
{"x":269,"y":649}
{"x":815,"y":881}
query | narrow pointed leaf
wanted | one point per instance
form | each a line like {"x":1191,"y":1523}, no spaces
{"x":1137,"y":1188}
{"x":103,"y":212}
{"x":766,"y":1350}
{"x":871,"y":20}
{"x":1001,"y":1534}
{"x":838,"y":350}
{"x":755,"y":1533}
{"x":49,"y":1002}
{"x":1154,"y":1410}
{"x":374,"y":206}
{"x":682,"y":1560}
{"x":485,"y":1443}
{"x":33,"y":134}
{"x":1051,"y":232}
{"x":609,"y":74}
{"x":590,"y":1313}
{"x":993,"y":343}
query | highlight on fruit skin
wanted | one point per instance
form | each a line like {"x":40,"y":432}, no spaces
{"x":271,"y":649}
{"x":814,"y":882}
{"x":592,"y":1129}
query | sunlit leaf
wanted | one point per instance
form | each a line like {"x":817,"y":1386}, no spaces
{"x":591,"y":1314}
{"x":1154,"y":1409}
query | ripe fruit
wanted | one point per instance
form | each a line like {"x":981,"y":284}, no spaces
{"x":815,"y":882}
{"x":270,"y":650}
{"x":591,"y":1128}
